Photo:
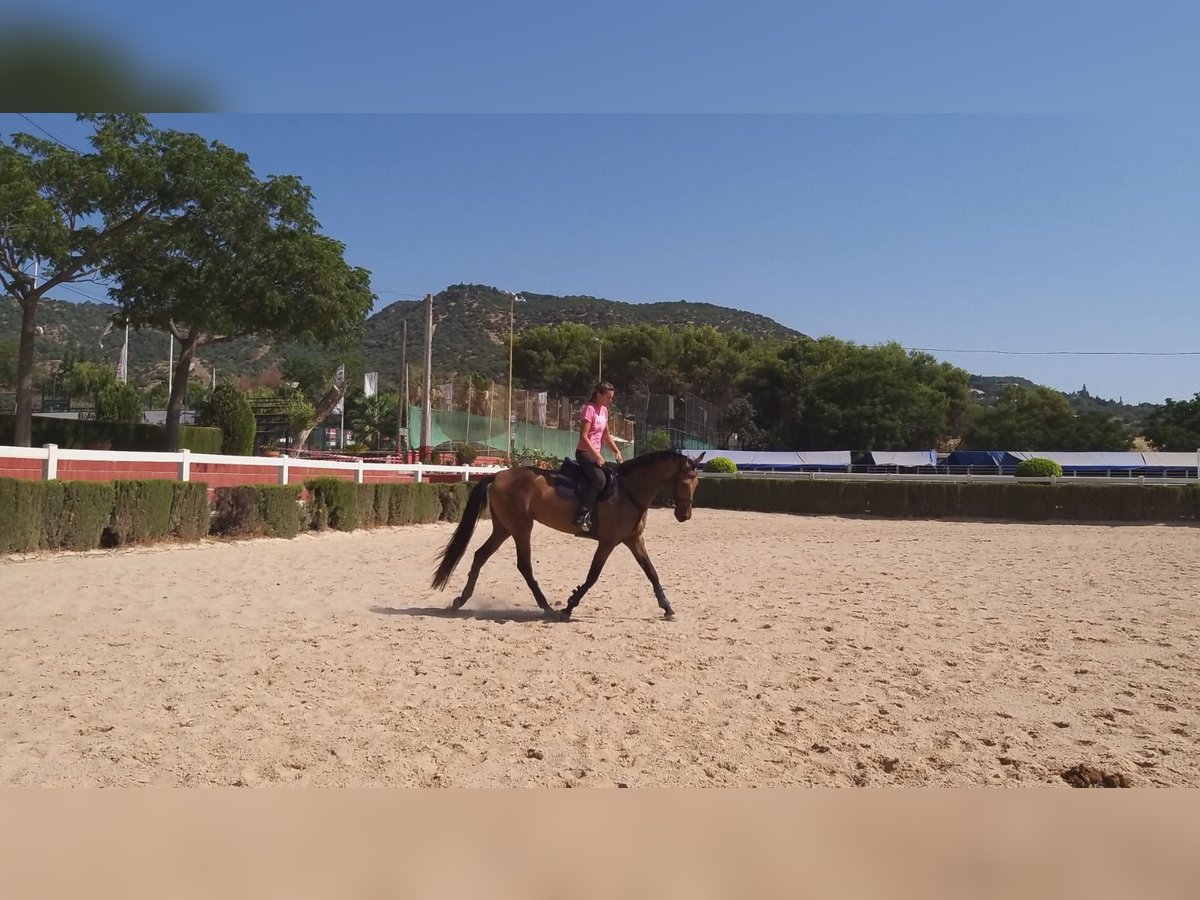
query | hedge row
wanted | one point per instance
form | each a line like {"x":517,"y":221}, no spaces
{"x":84,"y":515}
{"x":85,"y":434}
{"x":81,"y":515}
{"x":952,"y":500}
{"x":345,"y":506}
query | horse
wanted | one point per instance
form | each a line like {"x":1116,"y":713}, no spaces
{"x":518,"y":497}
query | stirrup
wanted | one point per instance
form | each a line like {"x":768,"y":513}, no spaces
{"x":583,"y":521}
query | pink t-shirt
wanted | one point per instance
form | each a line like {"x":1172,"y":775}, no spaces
{"x":597,"y":418}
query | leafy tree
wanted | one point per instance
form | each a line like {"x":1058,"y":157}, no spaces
{"x":243,"y":258}
{"x":1175,"y":426}
{"x":8,"y":363}
{"x":119,"y":403}
{"x":1041,"y":419}
{"x":560,"y":357}
{"x":88,"y":379}
{"x":62,"y":210}
{"x":372,"y":417}
{"x":227,"y":408}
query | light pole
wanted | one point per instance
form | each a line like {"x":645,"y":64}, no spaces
{"x":600,"y":360}
{"x":508,"y":425}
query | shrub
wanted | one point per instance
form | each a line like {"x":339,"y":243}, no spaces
{"x":1038,"y":468}
{"x":21,"y":515}
{"x":119,"y":403}
{"x":720,"y":464}
{"x":454,"y":500}
{"x":279,"y":509}
{"x":141,"y":511}
{"x":190,"y":512}
{"x":75,"y":514}
{"x":228,"y":409}
{"x":235,"y":511}
{"x":365,"y":506}
{"x":252,"y":509}
{"x":200,"y":439}
{"x":334,"y":503}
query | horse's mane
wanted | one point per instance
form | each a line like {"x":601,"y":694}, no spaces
{"x":648,"y":459}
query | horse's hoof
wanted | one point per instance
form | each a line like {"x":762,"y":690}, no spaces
{"x":668,"y":614}
{"x":457,"y":603}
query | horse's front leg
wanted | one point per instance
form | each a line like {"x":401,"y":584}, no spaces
{"x":598,"y":561}
{"x":638,"y":546}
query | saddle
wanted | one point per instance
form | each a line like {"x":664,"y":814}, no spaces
{"x":567,"y":481}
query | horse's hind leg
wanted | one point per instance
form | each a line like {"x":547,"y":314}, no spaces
{"x":525,"y":566}
{"x":498,"y":536}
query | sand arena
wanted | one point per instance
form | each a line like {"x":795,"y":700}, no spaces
{"x":806,"y":651}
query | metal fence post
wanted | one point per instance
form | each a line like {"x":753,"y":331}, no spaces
{"x":360,"y":472}
{"x":51,"y":471}
{"x":283,"y":470}
{"x":185,"y":464}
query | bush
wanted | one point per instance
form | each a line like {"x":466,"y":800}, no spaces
{"x":365,"y":505}
{"x":720,"y":464}
{"x":279,"y":509}
{"x":141,"y":511}
{"x":119,"y":403}
{"x":21,"y":515}
{"x":257,"y":509}
{"x":454,"y":500}
{"x":75,"y":514}
{"x":84,"y":434}
{"x":659,"y":439}
{"x":200,"y":439}
{"x":334,"y":503}
{"x":190,"y":512}
{"x":1038,"y":468}
{"x":228,"y":409}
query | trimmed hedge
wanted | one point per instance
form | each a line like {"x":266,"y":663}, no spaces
{"x":86,"y":434}
{"x":80,"y":515}
{"x":141,"y":511}
{"x":333,"y":503}
{"x":272,"y":510}
{"x":190,"y":512}
{"x":1081,"y":502}
{"x":21,"y":515}
{"x":201,"y":438}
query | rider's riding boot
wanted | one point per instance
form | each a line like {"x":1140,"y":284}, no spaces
{"x":584,"y":520}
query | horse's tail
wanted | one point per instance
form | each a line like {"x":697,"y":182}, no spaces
{"x":457,"y":545}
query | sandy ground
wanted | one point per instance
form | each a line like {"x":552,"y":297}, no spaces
{"x":806,"y":651}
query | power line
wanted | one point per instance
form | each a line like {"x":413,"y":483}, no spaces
{"x":1061,"y":352}
{"x":45,"y":132}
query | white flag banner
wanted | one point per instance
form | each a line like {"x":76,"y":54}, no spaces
{"x":337,"y":410}
{"x":539,"y":405}
{"x":371,"y":384}
{"x":340,"y":375}
{"x":448,"y":392}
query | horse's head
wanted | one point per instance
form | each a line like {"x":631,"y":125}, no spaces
{"x":685,"y":486}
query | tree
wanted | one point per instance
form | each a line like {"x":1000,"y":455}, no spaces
{"x":1175,"y":426}
{"x":119,"y":403}
{"x":243,"y":258}
{"x":61,"y":210}
{"x":559,"y":357}
{"x":372,"y":417}
{"x":228,"y":409}
{"x":1041,"y":419}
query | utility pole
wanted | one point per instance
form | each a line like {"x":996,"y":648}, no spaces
{"x":426,"y":430}
{"x":402,"y":406}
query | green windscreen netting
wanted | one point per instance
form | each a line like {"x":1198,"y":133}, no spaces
{"x":457,"y":427}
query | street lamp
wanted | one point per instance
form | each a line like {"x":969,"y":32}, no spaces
{"x":513,"y":299}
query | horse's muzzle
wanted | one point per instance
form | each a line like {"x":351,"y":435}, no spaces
{"x":683,"y":513}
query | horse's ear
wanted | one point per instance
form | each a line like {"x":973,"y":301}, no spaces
{"x":699,"y":459}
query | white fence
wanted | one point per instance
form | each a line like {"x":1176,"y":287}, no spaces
{"x":55,"y":462}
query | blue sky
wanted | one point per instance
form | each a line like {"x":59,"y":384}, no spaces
{"x":1016,"y":177}
{"x":1025,"y":234}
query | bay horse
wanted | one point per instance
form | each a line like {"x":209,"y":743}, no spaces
{"x":519,"y":497}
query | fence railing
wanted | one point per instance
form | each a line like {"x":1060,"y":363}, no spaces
{"x":51,"y":462}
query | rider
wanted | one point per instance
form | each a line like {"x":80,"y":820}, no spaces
{"x":593,"y":432}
